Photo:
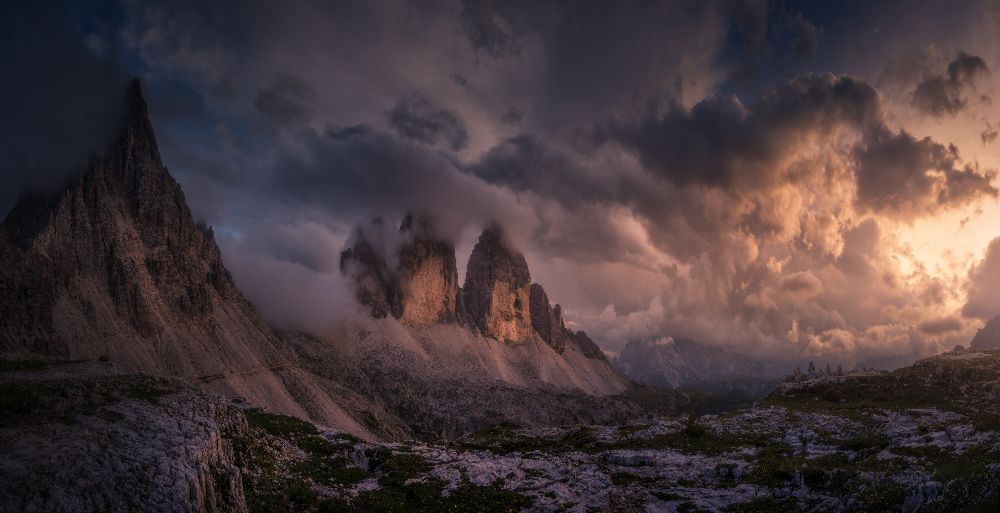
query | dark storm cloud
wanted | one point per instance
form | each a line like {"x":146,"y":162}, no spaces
{"x":593,"y":55}
{"x":722,"y":142}
{"x":286,"y":100}
{"x":943,"y":94}
{"x":493,"y":28}
{"x":359,"y":172}
{"x":805,"y":35}
{"x":898,"y":174}
{"x":527,"y":163}
{"x":750,"y":20}
{"x":62,"y":95}
{"x":513,"y":115}
{"x":416,"y":117}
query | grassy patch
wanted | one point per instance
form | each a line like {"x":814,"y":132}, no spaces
{"x":64,"y":399}
{"x":696,"y":438}
{"x":281,"y":426}
{"x":507,"y":438}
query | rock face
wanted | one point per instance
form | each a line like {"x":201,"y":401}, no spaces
{"x":988,"y":337}
{"x":420,"y":289}
{"x":113,"y":266}
{"x":497,"y":289}
{"x":547,"y":320}
{"x":428,"y":276}
{"x":587,"y":346}
{"x":103,"y":448}
{"x":376,"y":287}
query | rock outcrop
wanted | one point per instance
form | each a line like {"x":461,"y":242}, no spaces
{"x":587,"y":346}
{"x":419,"y":288}
{"x":547,"y":320}
{"x":988,"y":337}
{"x":428,"y":275}
{"x":497,"y":289}
{"x":377,"y":287}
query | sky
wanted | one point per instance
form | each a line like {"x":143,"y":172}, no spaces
{"x":791,"y":180}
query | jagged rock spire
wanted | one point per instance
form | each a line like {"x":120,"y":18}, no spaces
{"x":547,"y":319}
{"x":496,"y":290}
{"x":137,"y":142}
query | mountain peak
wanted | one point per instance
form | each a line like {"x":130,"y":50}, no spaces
{"x":137,"y":138}
{"x":496,"y":288}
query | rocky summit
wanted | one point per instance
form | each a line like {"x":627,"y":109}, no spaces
{"x":114,"y":266}
{"x":988,"y":337}
{"x":375,"y":284}
{"x":547,"y":320}
{"x":497,"y":288}
{"x":428,"y":276}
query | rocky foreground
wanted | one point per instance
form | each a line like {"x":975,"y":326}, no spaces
{"x":83,"y":437}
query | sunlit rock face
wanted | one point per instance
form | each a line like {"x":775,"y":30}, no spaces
{"x":497,"y":289}
{"x":547,"y":319}
{"x":988,"y":337}
{"x":428,"y":276}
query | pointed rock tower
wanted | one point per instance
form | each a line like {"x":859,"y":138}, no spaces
{"x":428,"y":275}
{"x":419,"y":287}
{"x":114,"y":266}
{"x":497,"y":294}
{"x":547,"y":320}
{"x":376,"y":285}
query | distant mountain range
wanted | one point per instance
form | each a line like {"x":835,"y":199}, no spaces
{"x":682,"y":363}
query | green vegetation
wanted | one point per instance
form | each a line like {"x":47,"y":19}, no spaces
{"x":274,"y":484}
{"x":949,"y":385}
{"x":505,"y":438}
{"x":695,"y":438}
{"x":63,"y":400}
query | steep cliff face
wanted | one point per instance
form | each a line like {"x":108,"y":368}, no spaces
{"x":376,"y":286}
{"x":114,"y":266}
{"x":428,"y":275}
{"x":547,"y":320}
{"x":497,"y":289}
{"x":416,"y":283}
